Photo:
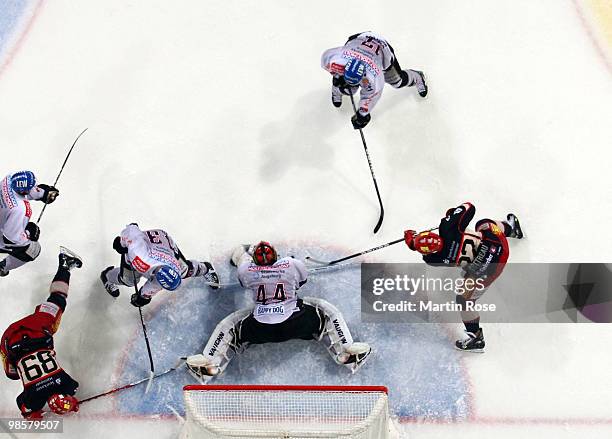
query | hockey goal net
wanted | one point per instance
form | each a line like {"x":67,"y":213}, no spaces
{"x":287,"y":412}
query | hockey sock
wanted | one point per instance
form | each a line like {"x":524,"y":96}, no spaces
{"x":473,"y":326}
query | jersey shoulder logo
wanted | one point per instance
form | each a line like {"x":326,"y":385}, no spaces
{"x":49,"y":308}
{"x":140,"y":265}
{"x":28,"y":207}
{"x":336,"y":68}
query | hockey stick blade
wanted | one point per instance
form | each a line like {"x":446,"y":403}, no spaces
{"x":151,"y":376}
{"x":135,"y":383}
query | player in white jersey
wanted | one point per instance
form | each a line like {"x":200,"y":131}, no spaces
{"x":279,"y":315}
{"x":367,"y":60}
{"x":151,"y":254}
{"x":19,"y":234}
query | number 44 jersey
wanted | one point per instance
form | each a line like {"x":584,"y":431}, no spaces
{"x":274,"y":288}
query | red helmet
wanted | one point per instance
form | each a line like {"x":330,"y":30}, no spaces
{"x":264,"y":254}
{"x":428,"y":242}
{"x":61,"y":404}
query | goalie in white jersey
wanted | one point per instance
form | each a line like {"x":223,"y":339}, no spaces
{"x":279,"y":315}
{"x":368,"y":61}
{"x":151,"y":254}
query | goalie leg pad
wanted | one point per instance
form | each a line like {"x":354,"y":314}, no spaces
{"x":337,"y":337}
{"x":222,"y":346}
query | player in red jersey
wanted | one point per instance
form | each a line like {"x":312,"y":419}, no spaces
{"x":482,"y":254}
{"x":27,"y":350}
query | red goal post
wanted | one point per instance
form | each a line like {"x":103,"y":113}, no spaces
{"x":273,"y":411}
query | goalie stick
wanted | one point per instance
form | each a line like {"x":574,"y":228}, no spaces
{"x":61,"y":169}
{"x":365,"y":147}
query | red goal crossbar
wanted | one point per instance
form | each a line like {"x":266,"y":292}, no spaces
{"x":276,"y":388}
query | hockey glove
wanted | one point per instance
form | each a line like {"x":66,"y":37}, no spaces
{"x":344,"y":88}
{"x":409,"y":238}
{"x":360,"y":121}
{"x":33,"y":231}
{"x":50,"y":193}
{"x":211,"y":276}
{"x":118,"y":247}
{"x":137,"y":300}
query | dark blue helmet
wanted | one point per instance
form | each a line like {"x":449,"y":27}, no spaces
{"x":23,"y":182}
{"x":168,"y":278}
{"x":354,"y":71}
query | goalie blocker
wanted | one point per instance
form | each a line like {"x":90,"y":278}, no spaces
{"x":277,"y":317}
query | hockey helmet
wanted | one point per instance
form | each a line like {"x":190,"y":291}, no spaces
{"x":23,"y":182}
{"x":428,"y":242}
{"x":264,"y":254}
{"x":168,"y":277}
{"x":61,"y":404}
{"x":354,"y":71}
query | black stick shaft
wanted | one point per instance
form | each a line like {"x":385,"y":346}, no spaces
{"x":127,"y":386}
{"x":365,"y":147}
{"x":61,"y":169}
{"x":144,"y":327}
{"x":366,"y":251}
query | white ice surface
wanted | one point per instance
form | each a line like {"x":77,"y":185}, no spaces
{"x":213,"y":121}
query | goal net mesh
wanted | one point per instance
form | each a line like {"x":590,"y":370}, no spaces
{"x":285,"y":412}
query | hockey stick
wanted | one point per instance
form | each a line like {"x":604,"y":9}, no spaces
{"x":130,"y":385}
{"x":313,"y":270}
{"x":324,"y":263}
{"x":144,"y":331}
{"x":62,"y":168}
{"x":355,"y":254}
{"x":365,"y":147}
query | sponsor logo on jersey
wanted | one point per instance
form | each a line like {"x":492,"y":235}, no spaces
{"x":216,"y":344}
{"x":140,"y":265}
{"x":370,"y":64}
{"x":336,"y":68}
{"x":8,"y":196}
{"x":270,"y":309}
{"x":277,"y":266}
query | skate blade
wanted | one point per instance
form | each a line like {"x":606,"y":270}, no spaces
{"x":69,"y":252}
{"x":473,"y":351}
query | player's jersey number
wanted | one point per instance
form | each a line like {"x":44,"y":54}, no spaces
{"x":279,"y":293}
{"x":468,"y":251}
{"x":372,"y":44}
{"x":37,"y":365}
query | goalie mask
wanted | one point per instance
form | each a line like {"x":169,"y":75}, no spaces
{"x":264,"y":254}
{"x":428,"y":242}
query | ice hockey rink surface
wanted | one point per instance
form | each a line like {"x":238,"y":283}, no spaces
{"x":213,"y":121}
